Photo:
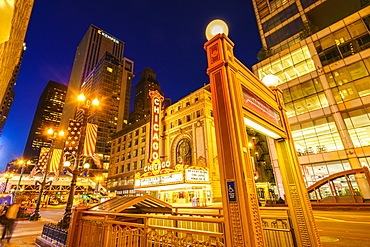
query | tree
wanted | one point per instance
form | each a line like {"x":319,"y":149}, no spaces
{"x":264,"y":53}
{"x":307,"y":30}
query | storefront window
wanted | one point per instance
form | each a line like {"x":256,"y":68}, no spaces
{"x":312,"y":173}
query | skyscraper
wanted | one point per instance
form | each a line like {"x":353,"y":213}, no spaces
{"x":110,"y":82}
{"x":319,"y":50}
{"x":142,"y":102}
{"x":91,"y":49}
{"x":15,"y":16}
{"x":9,"y":96}
{"x":47,"y":115}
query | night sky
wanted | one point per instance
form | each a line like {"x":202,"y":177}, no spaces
{"x":165,"y":35}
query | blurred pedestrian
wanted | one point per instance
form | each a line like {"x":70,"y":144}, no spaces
{"x":11,"y":216}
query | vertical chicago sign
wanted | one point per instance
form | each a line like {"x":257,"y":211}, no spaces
{"x":156,"y":99}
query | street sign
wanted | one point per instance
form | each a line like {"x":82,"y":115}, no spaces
{"x":231,"y":193}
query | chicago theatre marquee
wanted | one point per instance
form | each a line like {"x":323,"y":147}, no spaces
{"x":170,"y":154}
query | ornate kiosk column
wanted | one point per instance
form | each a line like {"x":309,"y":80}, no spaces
{"x":241,"y":100}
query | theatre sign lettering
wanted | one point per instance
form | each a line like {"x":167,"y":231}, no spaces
{"x":157,"y":175}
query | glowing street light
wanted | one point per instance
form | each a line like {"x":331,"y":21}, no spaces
{"x":85,"y":107}
{"x":215,"y":27}
{"x":52,"y":135}
{"x":23,"y":164}
{"x":270,"y":80}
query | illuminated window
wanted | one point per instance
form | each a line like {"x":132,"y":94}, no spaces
{"x":358,"y":125}
{"x":141,"y":163}
{"x":316,"y":136}
{"x":109,"y":69}
{"x":290,"y":66}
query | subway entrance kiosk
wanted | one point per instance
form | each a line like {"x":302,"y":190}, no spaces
{"x":240,"y":100}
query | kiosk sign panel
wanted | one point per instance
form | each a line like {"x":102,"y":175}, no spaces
{"x":261,"y":107}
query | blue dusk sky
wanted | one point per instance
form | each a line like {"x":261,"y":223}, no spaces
{"x":165,"y":35}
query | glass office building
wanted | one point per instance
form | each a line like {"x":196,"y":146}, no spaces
{"x":319,"y":50}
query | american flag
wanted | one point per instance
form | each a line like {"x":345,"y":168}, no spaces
{"x":90,"y":139}
{"x":55,"y":161}
{"x":90,"y":143}
{"x":73,"y":137}
{"x":96,"y":160}
{"x":43,"y":159}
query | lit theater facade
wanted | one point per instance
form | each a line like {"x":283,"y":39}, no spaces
{"x":170,"y":154}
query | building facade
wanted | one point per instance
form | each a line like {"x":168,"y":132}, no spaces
{"x":107,"y":83}
{"x":9,"y":96}
{"x":48,"y":114}
{"x":185,"y":168}
{"x":15,"y":16}
{"x":319,"y":51}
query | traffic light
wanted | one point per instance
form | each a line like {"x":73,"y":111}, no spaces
{"x":85,"y":196}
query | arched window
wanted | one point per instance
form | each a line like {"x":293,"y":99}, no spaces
{"x":183,"y":152}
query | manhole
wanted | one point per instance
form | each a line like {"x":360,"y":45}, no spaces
{"x":327,"y":239}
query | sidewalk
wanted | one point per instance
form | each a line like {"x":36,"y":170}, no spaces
{"x":23,"y":241}
{"x":26,"y":231}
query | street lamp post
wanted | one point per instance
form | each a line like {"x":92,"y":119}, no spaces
{"x":23,"y":164}
{"x":36,"y":214}
{"x":85,"y":107}
{"x":7,"y":176}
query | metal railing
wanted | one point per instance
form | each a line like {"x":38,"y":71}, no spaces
{"x":181,"y":229}
{"x":277,"y":227}
{"x":55,"y":234}
{"x":141,"y":230}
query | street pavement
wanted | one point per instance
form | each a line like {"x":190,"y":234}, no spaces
{"x":26,"y":231}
